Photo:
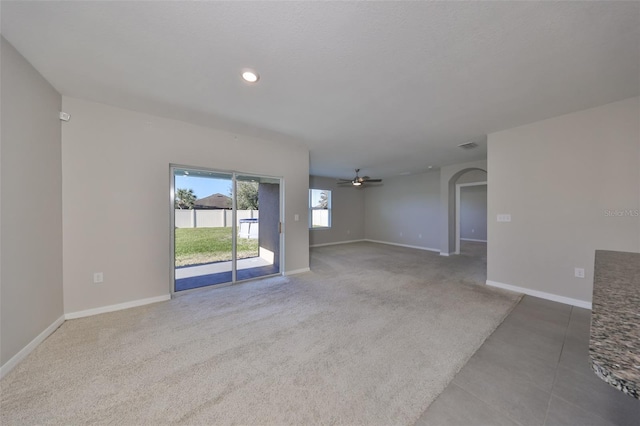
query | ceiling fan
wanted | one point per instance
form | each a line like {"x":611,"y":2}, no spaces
{"x":358,"y":181}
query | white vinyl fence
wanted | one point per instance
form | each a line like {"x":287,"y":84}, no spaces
{"x":319,"y":218}
{"x":210,"y":218}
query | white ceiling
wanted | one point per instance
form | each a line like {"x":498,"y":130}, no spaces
{"x":389,"y":87}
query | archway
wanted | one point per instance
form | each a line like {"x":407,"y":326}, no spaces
{"x":448,"y":177}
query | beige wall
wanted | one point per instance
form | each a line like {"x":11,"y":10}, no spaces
{"x":347,"y":215}
{"x":31,"y":211}
{"x":405,"y":210}
{"x":558,"y":178}
{"x":114,"y":158}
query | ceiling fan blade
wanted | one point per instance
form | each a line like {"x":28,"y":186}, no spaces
{"x":358,"y":181}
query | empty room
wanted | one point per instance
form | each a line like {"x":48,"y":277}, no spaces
{"x":306,"y":212}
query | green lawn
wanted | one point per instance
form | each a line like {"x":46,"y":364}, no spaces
{"x":204,"y":245}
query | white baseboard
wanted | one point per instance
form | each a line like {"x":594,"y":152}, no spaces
{"x":542,"y":295}
{"x":444,"y":254}
{"x":336,"y":243}
{"x":474,"y":240}
{"x":297,"y":271}
{"x":15,"y":360}
{"x":402,"y":245}
{"x":118,"y":307}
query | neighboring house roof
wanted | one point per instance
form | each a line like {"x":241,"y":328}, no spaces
{"x":215,"y":201}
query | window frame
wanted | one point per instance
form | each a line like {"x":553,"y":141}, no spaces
{"x":312,"y":208}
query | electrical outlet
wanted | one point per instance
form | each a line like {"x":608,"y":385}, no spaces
{"x":420,"y":236}
{"x":348,"y":231}
{"x":98,"y":277}
{"x":579,"y":272}
{"x":401,"y":234}
{"x":296,"y":217}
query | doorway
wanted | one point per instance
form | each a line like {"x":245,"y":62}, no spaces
{"x":471,"y":213}
{"x":225,"y":227}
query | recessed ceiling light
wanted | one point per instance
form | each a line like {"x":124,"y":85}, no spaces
{"x":250,"y":76}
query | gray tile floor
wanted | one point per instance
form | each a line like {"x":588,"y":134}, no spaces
{"x":533,"y":370}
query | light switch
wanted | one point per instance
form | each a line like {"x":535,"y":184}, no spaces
{"x":504,"y":217}
{"x":296,"y":217}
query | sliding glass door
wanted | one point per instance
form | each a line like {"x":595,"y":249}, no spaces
{"x":226,"y":227}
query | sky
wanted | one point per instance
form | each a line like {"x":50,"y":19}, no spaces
{"x":203,"y":187}
{"x":315,"y":196}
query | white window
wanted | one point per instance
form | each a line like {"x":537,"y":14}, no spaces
{"x":319,"y":208}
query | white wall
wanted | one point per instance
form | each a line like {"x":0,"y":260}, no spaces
{"x":558,"y":178}
{"x":114,"y":158}
{"x":347,"y":215}
{"x":473,"y":212}
{"x":31,"y":210}
{"x":405,"y":210}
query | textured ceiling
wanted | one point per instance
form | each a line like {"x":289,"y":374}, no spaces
{"x":388,"y":87}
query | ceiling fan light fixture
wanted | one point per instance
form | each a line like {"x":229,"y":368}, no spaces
{"x":358,"y":181}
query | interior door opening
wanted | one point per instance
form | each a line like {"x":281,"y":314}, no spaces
{"x":471,"y":213}
{"x":226,"y":227}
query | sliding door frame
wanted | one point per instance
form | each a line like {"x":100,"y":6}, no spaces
{"x":234,"y":231}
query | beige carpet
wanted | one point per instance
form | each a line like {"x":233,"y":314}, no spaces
{"x":372,"y":336}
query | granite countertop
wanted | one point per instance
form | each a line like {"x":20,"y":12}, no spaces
{"x":615,"y":320}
